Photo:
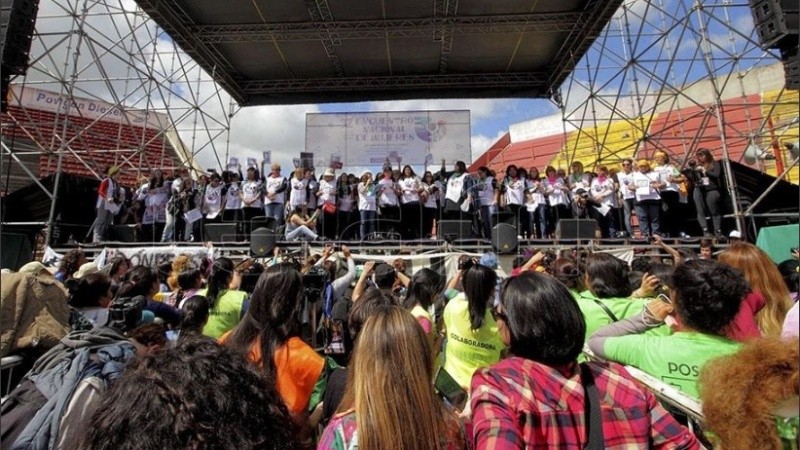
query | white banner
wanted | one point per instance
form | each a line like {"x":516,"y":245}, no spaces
{"x":368,"y":139}
{"x":154,"y":256}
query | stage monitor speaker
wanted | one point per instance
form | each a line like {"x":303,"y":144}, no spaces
{"x":122,"y":233}
{"x":450,"y":230}
{"x":576,"y":229}
{"x":220,"y":232}
{"x":504,"y":217}
{"x":262,"y":242}
{"x":776,"y":22}
{"x":17,"y":22}
{"x":504,"y":238}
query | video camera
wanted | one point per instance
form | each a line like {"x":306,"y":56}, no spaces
{"x":125,"y":314}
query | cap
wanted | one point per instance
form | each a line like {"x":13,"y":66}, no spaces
{"x":32,"y":268}
{"x":329,"y":173}
{"x":113,"y":170}
{"x":489,"y":260}
{"x":86,"y":269}
{"x":735,"y":234}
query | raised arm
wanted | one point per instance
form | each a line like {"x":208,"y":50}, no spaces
{"x":361,"y":285}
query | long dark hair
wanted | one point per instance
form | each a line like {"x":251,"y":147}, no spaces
{"x":607,"y":276}
{"x":195,"y":314}
{"x":187,"y":280}
{"x":221,"y":274}
{"x":479,"y":283}
{"x":273,"y":316}
{"x":138,"y":281}
{"x":424,"y":286}
{"x":71,"y":262}
{"x":87,"y":292}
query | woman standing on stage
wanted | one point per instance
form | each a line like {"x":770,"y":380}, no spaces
{"x":387,"y":201}
{"x":670,"y":195}
{"x":603,"y":191}
{"x":411,"y":210}
{"x":155,"y":196}
{"x":430,"y":198}
{"x":366,"y":204}
{"x":707,"y":178}
{"x":214,"y":201}
{"x":558,"y":196}
{"x":252,"y":198}
{"x":646,"y":184}
{"x":346,"y":198}
{"x":514,"y":190}
{"x":326,"y":200}
{"x":536,"y":204}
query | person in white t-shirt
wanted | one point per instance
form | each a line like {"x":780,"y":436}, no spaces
{"x":628,"y":197}
{"x":347,"y":198}
{"x":326,"y":201}
{"x":252,"y":195}
{"x":646,"y":184}
{"x":387,"y":201}
{"x":557,"y":193}
{"x":672,"y":221}
{"x":603,"y":190}
{"x":275,"y":198}
{"x":514,"y":190}
{"x":367,"y":194}
{"x":298,"y":189}
{"x":213,"y":201}
{"x":430,"y":198}
{"x":485,"y":190}
{"x":411,"y":209}
{"x":536,"y":204}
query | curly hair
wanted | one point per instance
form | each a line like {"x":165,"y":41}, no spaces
{"x":179,"y":264}
{"x":197,"y":395}
{"x":71,"y":262}
{"x":708,"y":295}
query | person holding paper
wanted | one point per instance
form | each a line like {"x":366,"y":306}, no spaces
{"x":298,"y":195}
{"x":213,"y":200}
{"x":536,"y":204}
{"x":155,"y":196}
{"x":670,"y":196}
{"x":646,"y":184}
{"x":628,"y":196}
{"x":604,"y":192}
{"x":252,"y":194}
{"x":232,"y":211}
{"x":275,"y":199}
{"x":107,"y":204}
{"x":514,"y":189}
{"x":707,"y":178}
{"x":557,"y":195}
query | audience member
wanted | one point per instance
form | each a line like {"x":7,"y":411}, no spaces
{"x":70,"y":264}
{"x":90,"y":296}
{"x":513,"y":402}
{"x":227,"y":306}
{"x":143,"y":281}
{"x":402,"y":410}
{"x":705,"y":301}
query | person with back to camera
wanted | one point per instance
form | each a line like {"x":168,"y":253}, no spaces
{"x":471,"y":331}
{"x":227,"y":306}
{"x":402,"y":411}
{"x":538,"y":397}
{"x":705,"y":301}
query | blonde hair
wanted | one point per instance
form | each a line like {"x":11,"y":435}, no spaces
{"x":179,"y":264}
{"x":389,"y":386}
{"x":763,"y":276}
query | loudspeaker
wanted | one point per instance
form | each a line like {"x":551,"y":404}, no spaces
{"x":220,"y":232}
{"x":504,"y":238}
{"x":776,"y":22}
{"x":455,"y":229}
{"x":262,"y":241}
{"x":263,"y":222}
{"x":122,"y":233}
{"x":504,"y":217}
{"x":791,"y":68}
{"x":576,"y":229}
{"x":17,"y":22}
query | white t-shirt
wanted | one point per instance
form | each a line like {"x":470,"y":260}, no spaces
{"x":430,"y":202}
{"x":515,"y":191}
{"x":297,"y":196}
{"x":346,"y":200}
{"x":642,"y":182}
{"x":410,"y":188}
{"x":535,"y":195}
{"x":666,"y":171}
{"x":624,"y":180}
{"x":584,"y":182}
{"x":555,"y":192}
{"x":273,"y":184}
{"x":454,"y":186}
{"x":366,"y":197}
{"x":605,"y":190}
{"x":233,"y":199}
{"x":251,"y":192}
{"x":213,"y":201}
{"x":328,"y":192}
{"x":388,"y":196}
{"x":486,"y":192}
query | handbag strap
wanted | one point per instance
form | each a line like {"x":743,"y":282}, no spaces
{"x":593,"y":418}
{"x":605,"y":308}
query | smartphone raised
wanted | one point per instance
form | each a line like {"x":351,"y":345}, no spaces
{"x":449,"y":388}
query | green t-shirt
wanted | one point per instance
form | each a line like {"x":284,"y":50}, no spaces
{"x":596,"y":317}
{"x":468,"y":350}
{"x":675,"y":360}
{"x":225,"y":314}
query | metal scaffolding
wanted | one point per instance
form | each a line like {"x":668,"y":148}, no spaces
{"x":109,"y":52}
{"x":663,"y":74}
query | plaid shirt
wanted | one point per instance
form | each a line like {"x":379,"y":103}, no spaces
{"x":519,"y":403}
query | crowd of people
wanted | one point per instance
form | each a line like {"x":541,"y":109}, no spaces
{"x":218,"y":354}
{"x":400,"y":202}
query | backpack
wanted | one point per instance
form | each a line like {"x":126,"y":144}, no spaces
{"x":39,"y":413}
{"x":35,"y":315}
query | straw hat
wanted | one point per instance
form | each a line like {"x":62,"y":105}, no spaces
{"x":329,"y":173}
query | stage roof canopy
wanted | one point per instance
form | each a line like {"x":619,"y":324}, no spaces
{"x":316,"y":51}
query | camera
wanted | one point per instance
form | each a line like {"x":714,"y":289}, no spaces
{"x":125,"y":313}
{"x":314,"y":282}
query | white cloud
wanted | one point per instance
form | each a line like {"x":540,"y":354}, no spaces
{"x":481,"y":143}
{"x":479,"y":108}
